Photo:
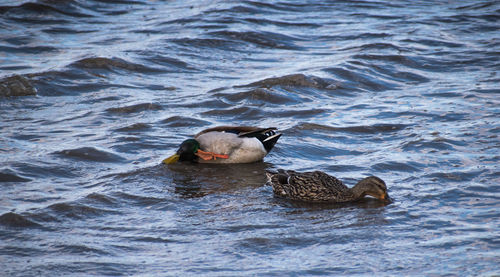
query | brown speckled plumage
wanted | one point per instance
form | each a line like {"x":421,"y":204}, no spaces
{"x":317,"y":186}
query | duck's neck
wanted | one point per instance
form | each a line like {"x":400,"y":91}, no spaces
{"x":359,"y":190}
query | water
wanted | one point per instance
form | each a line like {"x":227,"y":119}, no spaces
{"x":94,"y":94}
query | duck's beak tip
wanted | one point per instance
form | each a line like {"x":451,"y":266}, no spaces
{"x":172,"y":159}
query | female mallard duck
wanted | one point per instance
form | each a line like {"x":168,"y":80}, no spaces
{"x":227,"y":144}
{"x":318,"y":186}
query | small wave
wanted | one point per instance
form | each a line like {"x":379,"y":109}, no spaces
{"x":182,"y":121}
{"x":370,"y":129}
{"x":262,"y":39}
{"x":354,"y":79}
{"x":43,"y":9}
{"x":293,"y":80}
{"x":136,"y":108}
{"x":134,"y":127}
{"x":456,"y":176}
{"x":168,"y":64}
{"x":37,"y":170}
{"x":98,"y":198}
{"x":77,"y":211}
{"x":261,"y":95}
{"x":78,"y":249}
{"x":392,"y":74}
{"x":434,"y":43}
{"x":28,"y":49}
{"x":208,"y":43}
{"x":11,"y":219}
{"x":397,"y":166}
{"x":90,"y":154}
{"x":112,"y":64}
{"x":9,"y":176}
{"x":416,"y":62}
{"x":247,"y":113}
{"x":138,"y":199}
{"x":16,"y":85}
{"x":437,"y":143}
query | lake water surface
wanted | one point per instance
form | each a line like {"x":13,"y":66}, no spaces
{"x":94,"y":94}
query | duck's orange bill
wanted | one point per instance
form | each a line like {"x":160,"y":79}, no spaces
{"x":210,"y":155}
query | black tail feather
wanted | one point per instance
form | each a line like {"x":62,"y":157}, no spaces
{"x":267,"y":136}
{"x":269,"y":142}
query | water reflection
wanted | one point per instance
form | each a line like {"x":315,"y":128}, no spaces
{"x":192,"y":180}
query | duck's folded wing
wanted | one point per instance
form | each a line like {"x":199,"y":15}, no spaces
{"x":234,"y":129}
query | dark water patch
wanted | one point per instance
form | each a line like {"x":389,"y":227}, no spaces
{"x":102,"y":199}
{"x":209,"y":103}
{"x":183,"y":121}
{"x":433,"y":43}
{"x":208,"y":43}
{"x":354,"y":36}
{"x":79,"y":267}
{"x":28,"y":137}
{"x":259,"y":245}
{"x":136,"y":108}
{"x":136,"y":127}
{"x":78,"y":249}
{"x":155,"y":240}
{"x":393,"y":74}
{"x":422,"y":63}
{"x":168,"y":64}
{"x":487,"y":91}
{"x":16,"y":85}
{"x":137,"y":145}
{"x":455,"y":176}
{"x":39,"y":169}
{"x":78,"y":211}
{"x":370,"y":129}
{"x":445,"y":94}
{"x":28,"y":49}
{"x":44,"y":10}
{"x":476,"y":6}
{"x":375,"y":46}
{"x":320,"y":153}
{"x":260,"y":39}
{"x":59,"y":83}
{"x":264,"y":21}
{"x":11,"y":219}
{"x":298,"y":113}
{"x":137,"y":200}
{"x":344,"y":168}
{"x":397,"y":166}
{"x":420,"y":144}
{"x":90,"y":154}
{"x":353,"y":79}
{"x":293,"y":80}
{"x":247,"y":113}
{"x":262,"y":96}
{"x":8,"y":175}
{"x":113,"y":64}
{"x":58,"y":30}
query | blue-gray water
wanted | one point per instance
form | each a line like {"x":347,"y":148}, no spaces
{"x":405,"y":90}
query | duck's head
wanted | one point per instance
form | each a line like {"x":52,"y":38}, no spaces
{"x":186,"y":152}
{"x":373,"y":186}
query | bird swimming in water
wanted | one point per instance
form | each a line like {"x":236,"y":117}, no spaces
{"x":227,"y":144}
{"x":317,"y":186}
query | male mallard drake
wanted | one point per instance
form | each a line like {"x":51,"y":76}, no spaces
{"x":227,"y":144}
{"x":318,"y":186}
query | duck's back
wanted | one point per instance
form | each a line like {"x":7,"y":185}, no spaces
{"x":315,"y":186}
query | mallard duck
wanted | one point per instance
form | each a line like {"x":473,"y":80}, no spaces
{"x":227,"y":144}
{"x":317,"y":186}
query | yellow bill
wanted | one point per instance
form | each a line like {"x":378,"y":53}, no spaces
{"x":172,"y":159}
